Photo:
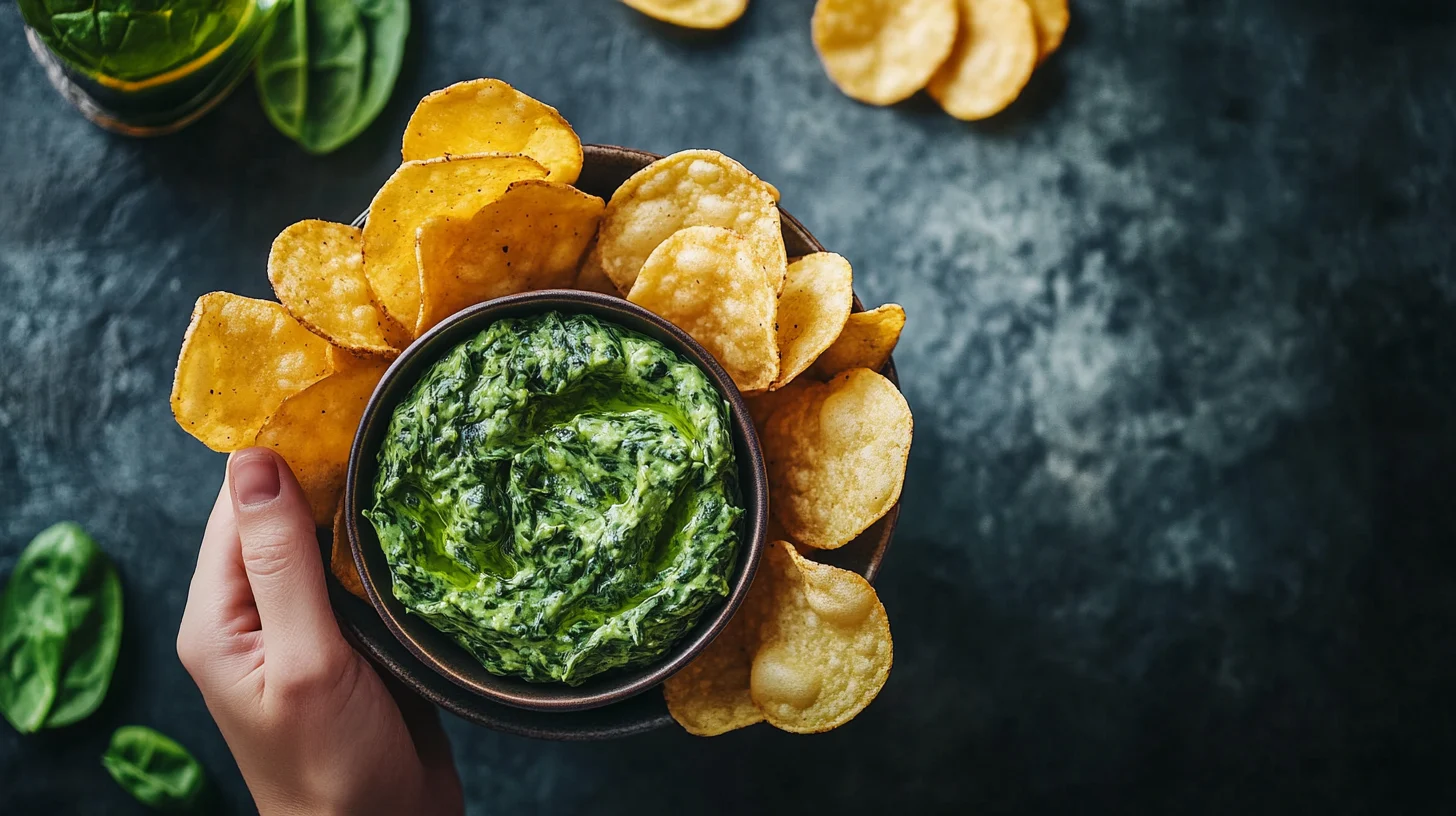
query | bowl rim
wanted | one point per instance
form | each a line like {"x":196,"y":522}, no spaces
{"x":615,"y":685}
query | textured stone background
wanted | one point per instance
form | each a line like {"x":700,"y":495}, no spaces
{"x":1178,"y":531}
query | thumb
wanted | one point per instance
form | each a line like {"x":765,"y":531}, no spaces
{"x":281,"y":558}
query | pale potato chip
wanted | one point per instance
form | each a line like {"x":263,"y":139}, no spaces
{"x":883,"y":51}
{"x":489,"y":116}
{"x":836,"y":457}
{"x":710,"y":695}
{"x":1051,"y":18}
{"x":531,"y":238}
{"x":591,"y":278}
{"x":317,"y":272}
{"x":867,"y":341}
{"x":995,"y":52}
{"x":762,"y":406}
{"x":708,"y":282}
{"x":818,"y":294}
{"x":314,"y":429}
{"x":688,"y":189}
{"x":701,"y":14}
{"x":453,"y":188}
{"x":341,"y":559}
{"x":824,"y":648}
{"x":241,"y":358}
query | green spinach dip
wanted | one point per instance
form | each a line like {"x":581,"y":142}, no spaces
{"x":559,"y":495}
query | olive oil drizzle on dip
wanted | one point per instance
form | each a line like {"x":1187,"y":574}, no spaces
{"x":559,"y":495}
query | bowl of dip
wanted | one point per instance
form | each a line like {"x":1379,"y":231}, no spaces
{"x":556,"y":500}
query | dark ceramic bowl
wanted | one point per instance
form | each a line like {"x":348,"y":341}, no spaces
{"x":605,"y":168}
{"x":444,"y":655}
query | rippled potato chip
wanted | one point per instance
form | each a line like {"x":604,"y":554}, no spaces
{"x":241,"y":358}
{"x":818,"y":294}
{"x":883,"y":51}
{"x":708,"y":282}
{"x":1051,"y":18}
{"x":489,"y":116}
{"x":710,"y":696}
{"x":824,"y":644}
{"x":992,"y":61}
{"x":341,"y":559}
{"x":867,"y":341}
{"x":449,"y":188}
{"x":701,"y":14}
{"x":530,"y":238}
{"x":836,"y":457}
{"x":688,"y":189}
{"x":317,"y":272}
{"x":313,"y":430}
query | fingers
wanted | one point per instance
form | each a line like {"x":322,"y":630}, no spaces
{"x":219,"y":621}
{"x":280,"y":556}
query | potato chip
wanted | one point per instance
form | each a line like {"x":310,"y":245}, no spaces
{"x":1051,"y":18}
{"x":867,"y":340}
{"x":702,"y":14}
{"x":710,"y":695}
{"x":451,"y":187}
{"x":824,"y":645}
{"x":341,"y":559}
{"x":883,"y":51}
{"x":531,"y":238}
{"x":591,"y":278}
{"x":241,"y":358}
{"x":688,"y":189}
{"x":995,"y":52}
{"x":313,"y":430}
{"x":836,"y":457}
{"x":818,"y":295}
{"x":707,"y":281}
{"x":762,"y":406}
{"x":489,"y":116}
{"x":317,"y":272}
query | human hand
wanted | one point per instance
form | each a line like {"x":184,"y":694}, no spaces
{"x":313,"y":727}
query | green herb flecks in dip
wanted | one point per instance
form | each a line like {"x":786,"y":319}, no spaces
{"x":559,"y":495}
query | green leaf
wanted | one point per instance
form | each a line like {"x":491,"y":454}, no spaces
{"x":133,"y":39}
{"x":153,"y":768}
{"x":329,"y":66}
{"x":60,"y":630}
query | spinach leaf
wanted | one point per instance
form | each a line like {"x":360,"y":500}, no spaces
{"x":60,"y":630}
{"x":133,"y":39}
{"x":153,"y":768}
{"x":329,"y":66}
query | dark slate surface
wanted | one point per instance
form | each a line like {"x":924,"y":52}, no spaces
{"x":1178,"y":531}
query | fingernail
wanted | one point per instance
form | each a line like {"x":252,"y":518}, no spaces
{"x":254,"y":476}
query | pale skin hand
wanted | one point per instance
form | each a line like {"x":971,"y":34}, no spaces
{"x":313,"y":727}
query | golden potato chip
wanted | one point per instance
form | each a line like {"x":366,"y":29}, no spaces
{"x":772,"y":190}
{"x":836,"y":457}
{"x":489,"y":116}
{"x":867,"y":340}
{"x":818,"y":295}
{"x":341,"y":560}
{"x":454,"y":187}
{"x":591,"y":278}
{"x":313,"y":430}
{"x":824,"y":648}
{"x":1051,"y":18}
{"x":530,"y":238}
{"x":241,"y":358}
{"x":883,"y":51}
{"x":763,"y":405}
{"x":710,"y":695}
{"x":707,"y":281}
{"x":995,"y":52}
{"x":703,"y":14}
{"x":317,"y":272}
{"x":688,"y":189}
